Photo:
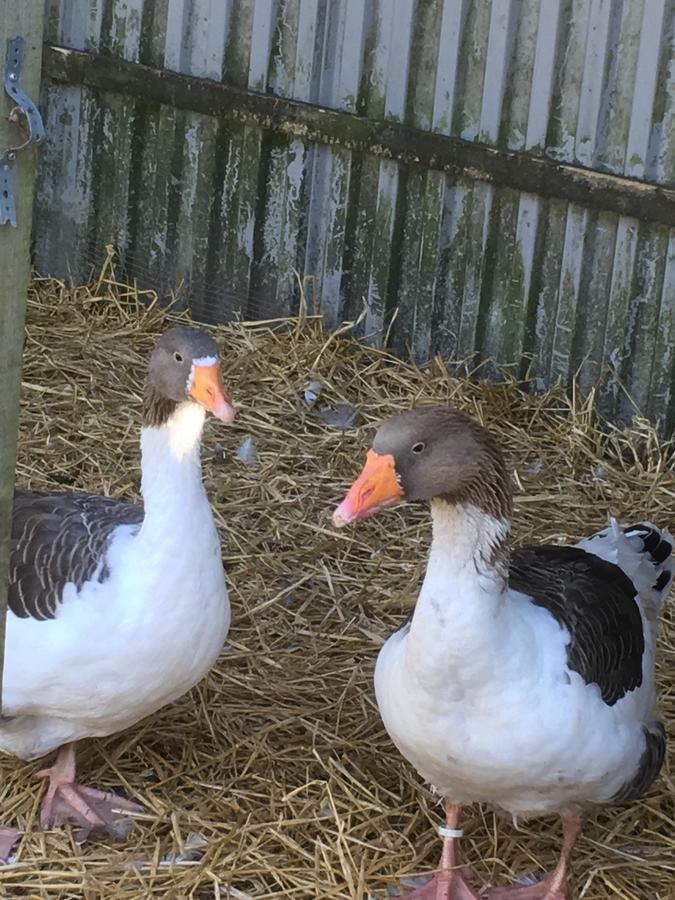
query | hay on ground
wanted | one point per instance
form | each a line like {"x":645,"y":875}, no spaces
{"x":274,"y":777}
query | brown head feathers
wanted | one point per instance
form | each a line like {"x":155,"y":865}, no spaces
{"x":440,"y":452}
{"x":166,"y":384}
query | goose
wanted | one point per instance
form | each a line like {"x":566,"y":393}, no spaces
{"x":525,"y":677}
{"x":116,"y":609}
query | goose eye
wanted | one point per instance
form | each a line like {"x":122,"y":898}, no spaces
{"x":419,"y":447}
{"x":178,"y":357}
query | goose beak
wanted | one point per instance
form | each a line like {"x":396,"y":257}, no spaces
{"x":376,"y":487}
{"x":207,"y":388}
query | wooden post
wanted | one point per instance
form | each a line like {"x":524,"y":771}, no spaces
{"x":18,"y":18}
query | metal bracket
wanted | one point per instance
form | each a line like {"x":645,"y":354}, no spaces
{"x":7,"y":205}
{"x":33,"y":120}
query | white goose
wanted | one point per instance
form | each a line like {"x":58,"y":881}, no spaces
{"x":116,"y":609}
{"x":525,"y":679}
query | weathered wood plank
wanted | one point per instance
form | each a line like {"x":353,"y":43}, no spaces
{"x":662,"y":156}
{"x":420,"y":245}
{"x":16,"y":20}
{"x":389,"y":140}
{"x":231,"y":255}
{"x":643,"y":317}
{"x":343,"y":39}
{"x":592,"y":88}
{"x":152,"y":48}
{"x":193,"y":218}
{"x":121,"y":29}
{"x":471,"y":73}
{"x":500,"y":38}
{"x":520,"y":83}
{"x":147,"y":253}
{"x":64,"y":190}
{"x":640,"y":132}
{"x":203,"y":36}
{"x":562,"y":363}
{"x":428,"y":265}
{"x":662,"y":386}
{"x":508,"y":302}
{"x":398,"y":62}
{"x":373,"y":194}
{"x":375,"y":320}
{"x":423,"y":204}
{"x":115,"y":127}
{"x":569,"y":66}
{"x":452,"y":270}
{"x":543,"y":75}
{"x":618,"y":96}
{"x":546,"y":289}
{"x":615,"y":346}
{"x":327,"y":226}
{"x":594,"y":299}
{"x":262,"y":29}
{"x":273,"y":283}
{"x":476,"y":235}
{"x":360,"y":236}
{"x":74,"y":24}
{"x":446,"y":70}
{"x":237,"y":58}
{"x":278,"y":226}
{"x":419,"y":110}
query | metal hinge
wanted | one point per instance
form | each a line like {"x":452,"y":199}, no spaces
{"x":30,"y":118}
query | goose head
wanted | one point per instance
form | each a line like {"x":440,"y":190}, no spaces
{"x":429,"y":453}
{"x":185,"y":367}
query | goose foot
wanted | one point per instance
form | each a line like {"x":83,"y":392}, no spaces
{"x":546,"y":889}
{"x":8,"y":838}
{"x":451,"y":880}
{"x":67,"y":801}
{"x":551,"y":887}
{"x":445,"y":886}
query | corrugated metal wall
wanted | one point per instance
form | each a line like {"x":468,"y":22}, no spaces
{"x":228,"y":211}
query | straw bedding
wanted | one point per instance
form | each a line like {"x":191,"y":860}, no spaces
{"x":274,"y":777}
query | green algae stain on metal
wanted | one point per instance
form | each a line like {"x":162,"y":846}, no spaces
{"x":594,"y":299}
{"x":423,"y":61}
{"x":547,"y":290}
{"x":382,"y":252}
{"x":643,"y":316}
{"x":662,"y":383}
{"x":238,"y":48}
{"x":502,"y":307}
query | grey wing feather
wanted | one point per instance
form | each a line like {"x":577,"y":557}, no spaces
{"x":57,"y":539}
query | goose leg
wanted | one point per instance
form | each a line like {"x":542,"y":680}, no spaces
{"x":450,"y":881}
{"x":552,"y":887}
{"x":67,"y":801}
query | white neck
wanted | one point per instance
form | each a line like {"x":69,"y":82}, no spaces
{"x":463,"y":590}
{"x":465,"y":543}
{"x":171,"y":480}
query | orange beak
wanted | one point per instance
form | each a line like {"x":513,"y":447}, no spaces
{"x":376,"y":487}
{"x":208,"y":389}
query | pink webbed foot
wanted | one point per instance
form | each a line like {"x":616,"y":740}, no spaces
{"x":87,"y":807}
{"x":546,"y":889}
{"x":445,"y":886}
{"x":551,"y":887}
{"x":451,"y":880}
{"x":8,"y":839}
{"x":67,"y":801}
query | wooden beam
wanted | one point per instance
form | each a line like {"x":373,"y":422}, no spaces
{"x":23,"y":19}
{"x":389,"y":140}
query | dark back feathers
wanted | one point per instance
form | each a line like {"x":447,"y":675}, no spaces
{"x":595,"y":602}
{"x":56,"y":539}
